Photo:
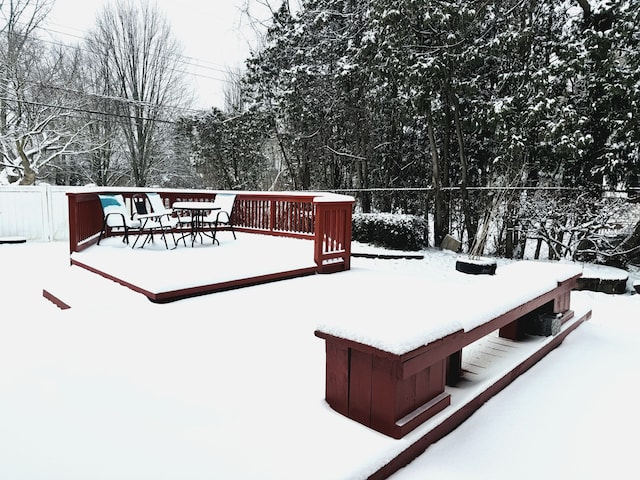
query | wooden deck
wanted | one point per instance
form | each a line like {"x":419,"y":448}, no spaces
{"x":489,"y":365}
{"x":291,"y":234}
{"x":167,"y":275}
{"x":323,"y":218}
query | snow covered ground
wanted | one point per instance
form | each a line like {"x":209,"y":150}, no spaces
{"x":123,"y":388}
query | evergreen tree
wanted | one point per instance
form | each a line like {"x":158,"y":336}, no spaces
{"x":415,"y":93}
{"x":228,"y":149}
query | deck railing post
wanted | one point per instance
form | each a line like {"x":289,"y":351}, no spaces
{"x":85,"y":219}
{"x":332,"y":250}
{"x":319,"y":235}
{"x":73,"y":223}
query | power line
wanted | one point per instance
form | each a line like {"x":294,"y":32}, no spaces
{"x":86,"y":110}
{"x":140,"y":103}
{"x":183,"y":59}
{"x":216,"y":66}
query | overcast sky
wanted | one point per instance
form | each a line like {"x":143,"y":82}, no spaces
{"x":215,"y":34}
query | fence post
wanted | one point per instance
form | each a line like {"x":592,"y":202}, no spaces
{"x":47,"y":213}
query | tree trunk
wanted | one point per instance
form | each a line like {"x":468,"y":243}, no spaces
{"x":362,"y":170}
{"x":470,"y":222}
{"x":522,"y":245}
{"x":586,"y":8}
{"x":440,"y":227}
{"x":510,"y":238}
{"x":28,"y":176}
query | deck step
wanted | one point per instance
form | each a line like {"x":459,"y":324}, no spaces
{"x":77,"y":287}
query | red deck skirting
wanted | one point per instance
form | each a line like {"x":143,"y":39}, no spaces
{"x":179,"y":294}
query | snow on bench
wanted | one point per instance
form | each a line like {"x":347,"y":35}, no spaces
{"x":439,"y":309}
{"x":388,"y":358}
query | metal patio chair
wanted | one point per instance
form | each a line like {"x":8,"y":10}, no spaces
{"x":155,"y":218}
{"x":221,"y":217}
{"x":116,"y":216}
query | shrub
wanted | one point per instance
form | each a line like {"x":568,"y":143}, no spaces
{"x":400,"y":232}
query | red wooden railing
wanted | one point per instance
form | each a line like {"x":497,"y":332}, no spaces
{"x":322,"y":217}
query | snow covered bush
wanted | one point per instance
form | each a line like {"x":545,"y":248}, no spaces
{"x":397,"y":231}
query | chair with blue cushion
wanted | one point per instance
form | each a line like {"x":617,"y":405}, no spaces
{"x":116,"y":216}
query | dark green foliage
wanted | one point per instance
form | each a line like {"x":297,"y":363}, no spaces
{"x":399,"y":232}
{"x":228,"y":149}
{"x":404,"y":94}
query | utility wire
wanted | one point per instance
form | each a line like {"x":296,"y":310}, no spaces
{"x":183,"y":59}
{"x":113,"y":98}
{"x":86,"y":110}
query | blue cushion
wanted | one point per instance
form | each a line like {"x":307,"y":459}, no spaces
{"x":109,"y":200}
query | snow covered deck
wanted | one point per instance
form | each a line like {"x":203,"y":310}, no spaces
{"x":227,"y":385}
{"x":166,"y":275}
{"x":317,"y":227}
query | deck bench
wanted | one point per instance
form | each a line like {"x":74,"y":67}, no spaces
{"x":390,"y":373}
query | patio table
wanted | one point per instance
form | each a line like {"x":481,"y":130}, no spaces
{"x":197,"y":212}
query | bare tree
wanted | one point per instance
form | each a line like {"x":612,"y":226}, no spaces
{"x":33,"y":130}
{"x":233,"y":95}
{"x":133,"y":46}
{"x":101,"y":159}
{"x":18,"y":20}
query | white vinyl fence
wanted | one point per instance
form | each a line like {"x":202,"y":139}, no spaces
{"x":37,"y":213}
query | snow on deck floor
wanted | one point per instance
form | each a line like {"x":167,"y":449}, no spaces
{"x":156,"y":269}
